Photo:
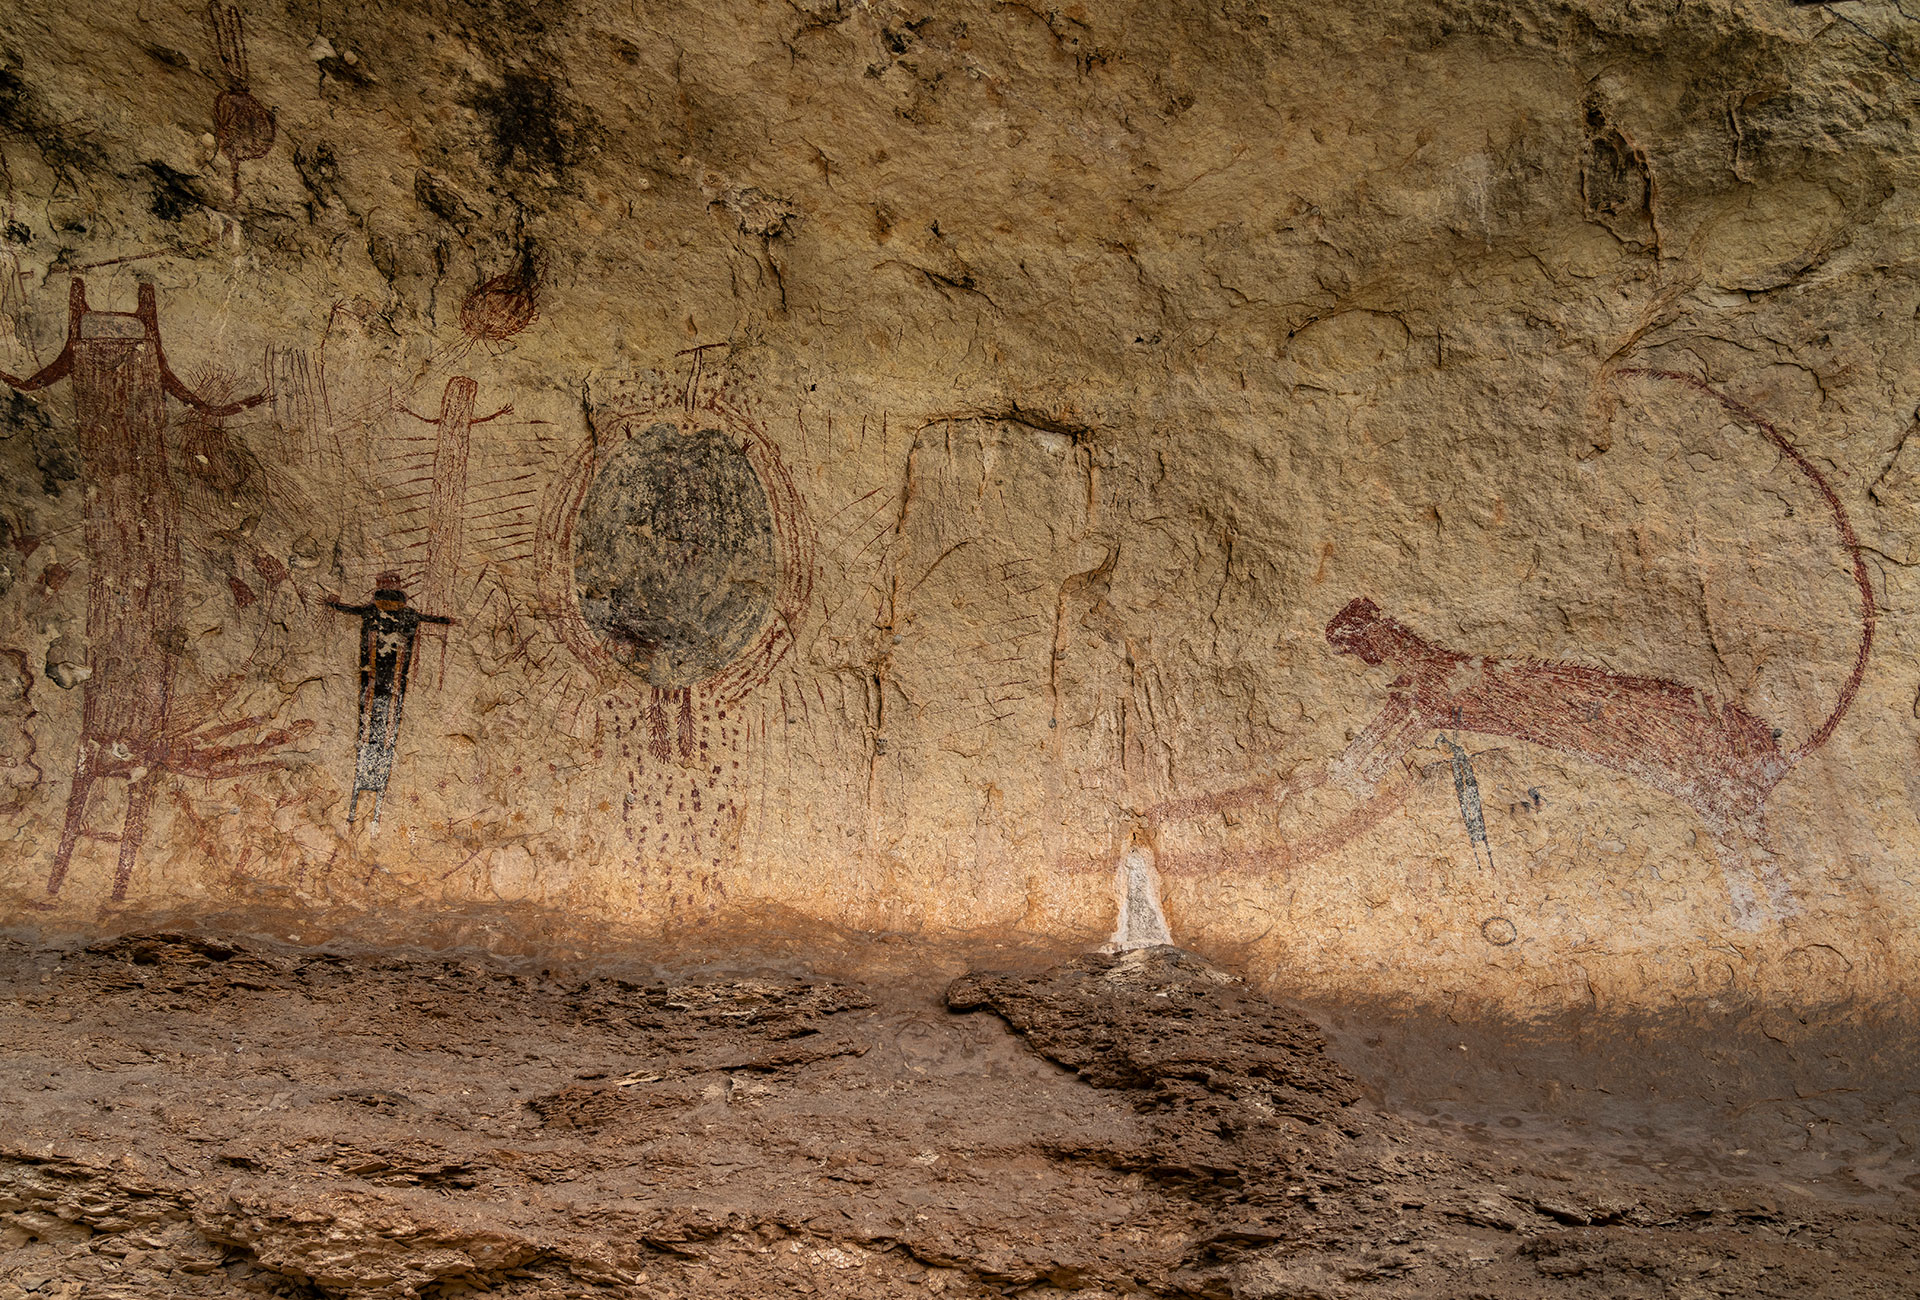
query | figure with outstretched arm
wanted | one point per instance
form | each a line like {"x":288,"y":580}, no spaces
{"x":389,"y":634}
{"x":121,"y":381}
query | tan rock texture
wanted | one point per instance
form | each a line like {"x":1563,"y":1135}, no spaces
{"x":1430,"y":480}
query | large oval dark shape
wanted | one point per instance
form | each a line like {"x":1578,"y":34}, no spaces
{"x":673,"y":556}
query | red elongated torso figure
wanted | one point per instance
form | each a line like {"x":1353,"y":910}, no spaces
{"x":121,"y":381}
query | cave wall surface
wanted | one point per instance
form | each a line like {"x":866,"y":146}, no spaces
{"x":1432,"y":483}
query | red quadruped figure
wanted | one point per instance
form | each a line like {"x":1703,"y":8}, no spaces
{"x":121,"y":381}
{"x":1712,"y":754}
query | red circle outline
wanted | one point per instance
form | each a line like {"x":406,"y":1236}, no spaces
{"x":792,"y":539}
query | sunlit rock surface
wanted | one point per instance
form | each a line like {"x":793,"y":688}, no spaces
{"x":1433,"y":478}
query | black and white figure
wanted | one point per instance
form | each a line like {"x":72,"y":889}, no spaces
{"x":389,"y":631}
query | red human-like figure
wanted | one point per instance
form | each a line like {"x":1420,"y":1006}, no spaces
{"x":243,"y":127}
{"x":447,"y":499}
{"x":121,"y":381}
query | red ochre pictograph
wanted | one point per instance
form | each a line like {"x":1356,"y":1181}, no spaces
{"x":243,"y":127}
{"x":694,"y":472}
{"x":674,"y":562}
{"x":1713,"y":755}
{"x":121,"y":381}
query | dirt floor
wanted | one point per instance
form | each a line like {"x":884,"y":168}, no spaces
{"x":187,"y":1117}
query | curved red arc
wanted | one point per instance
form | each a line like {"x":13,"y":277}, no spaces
{"x":1843,"y":524}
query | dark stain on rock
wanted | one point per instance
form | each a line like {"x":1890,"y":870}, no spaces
{"x":443,"y":201}
{"x":532,"y":125}
{"x":63,"y":149}
{"x":173,"y":194}
{"x":168,"y":57}
{"x":673,"y":554}
{"x":384,"y":253}
{"x":1615,"y":182}
{"x":338,"y":69}
{"x":53,"y":455}
{"x":319,"y":171}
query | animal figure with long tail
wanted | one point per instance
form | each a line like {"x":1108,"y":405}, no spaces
{"x":1713,"y":755}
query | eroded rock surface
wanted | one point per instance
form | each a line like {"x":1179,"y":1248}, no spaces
{"x":195,"y":1118}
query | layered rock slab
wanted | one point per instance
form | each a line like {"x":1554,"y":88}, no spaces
{"x":197,"y":1117}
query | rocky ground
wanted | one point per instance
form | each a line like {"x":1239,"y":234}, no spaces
{"x":197,"y":1118}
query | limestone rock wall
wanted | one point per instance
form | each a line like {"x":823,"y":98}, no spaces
{"x":1430,"y":483}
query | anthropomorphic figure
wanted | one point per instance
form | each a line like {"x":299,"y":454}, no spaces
{"x":243,"y":127}
{"x":389,"y":634}
{"x":447,"y":500}
{"x":121,"y":381}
